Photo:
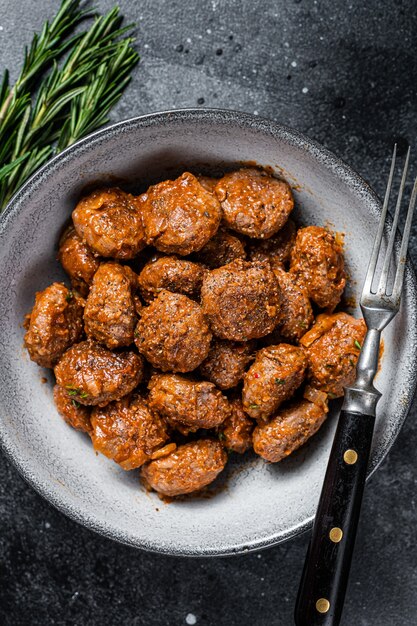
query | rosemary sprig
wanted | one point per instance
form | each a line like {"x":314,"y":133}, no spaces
{"x":73,"y":97}
{"x":89,"y":109}
{"x":49,"y":45}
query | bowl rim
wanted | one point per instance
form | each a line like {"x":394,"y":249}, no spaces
{"x":244,"y":120}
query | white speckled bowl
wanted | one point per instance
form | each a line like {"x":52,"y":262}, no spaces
{"x":261,"y":504}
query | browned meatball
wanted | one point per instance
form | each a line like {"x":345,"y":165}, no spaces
{"x":254,"y":203}
{"x":172,"y":274}
{"x":296,"y":311}
{"x":127,"y":432}
{"x":110,"y":312}
{"x":187,"y":405}
{"x":74,"y":413}
{"x":222,"y":249}
{"x":277,"y":249}
{"x":190,"y":467}
{"x":180,"y":216}
{"x":55,"y":323}
{"x":93,"y":375}
{"x":79,"y":262}
{"x":110,"y":222}
{"x":226,"y":362}
{"x":236,"y":431}
{"x":275,"y":375}
{"x":288,"y":430}
{"x":317,"y":259}
{"x":332,"y":347}
{"x":208,"y":182}
{"x":241,"y":300}
{"x":172,"y":333}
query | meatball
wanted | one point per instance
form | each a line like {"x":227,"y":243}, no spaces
{"x":172,"y":274}
{"x":288,"y":430}
{"x":275,"y":375}
{"x":127,"y":432}
{"x":110,"y":223}
{"x":317,"y":260}
{"x":55,"y":323}
{"x":74,"y":413}
{"x":79,"y":262}
{"x":241,"y":300}
{"x":236,"y":431}
{"x":332,"y":346}
{"x":254,"y":203}
{"x":226,"y":362}
{"x":190,"y":467}
{"x":185,"y":404}
{"x":208,"y":182}
{"x":296,"y":311}
{"x":110,"y":312}
{"x":277,"y":249}
{"x":93,"y":375}
{"x":222,"y":249}
{"x":180,"y":216}
{"x":172,"y":333}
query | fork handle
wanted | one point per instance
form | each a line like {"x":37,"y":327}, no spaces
{"x":326,"y":569}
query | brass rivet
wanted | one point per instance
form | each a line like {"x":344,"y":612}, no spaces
{"x":350,"y":457}
{"x":322,"y":605}
{"x":336,"y":534}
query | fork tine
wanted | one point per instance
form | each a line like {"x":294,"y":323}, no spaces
{"x":367,"y":287}
{"x":388,"y":254}
{"x":399,"y":276}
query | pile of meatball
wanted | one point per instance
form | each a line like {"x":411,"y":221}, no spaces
{"x":199,"y":322}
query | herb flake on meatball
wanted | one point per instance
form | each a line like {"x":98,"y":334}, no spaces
{"x":74,"y":413}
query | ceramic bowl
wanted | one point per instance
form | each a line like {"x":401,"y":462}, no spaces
{"x":255,"y":504}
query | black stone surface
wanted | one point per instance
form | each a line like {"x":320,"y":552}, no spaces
{"x":345,"y":73}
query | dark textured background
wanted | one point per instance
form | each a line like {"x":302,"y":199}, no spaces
{"x":345,"y":74}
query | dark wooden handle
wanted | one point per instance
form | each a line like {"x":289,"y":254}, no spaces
{"x":326,"y":569}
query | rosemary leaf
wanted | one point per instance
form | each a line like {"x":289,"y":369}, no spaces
{"x":10,"y":166}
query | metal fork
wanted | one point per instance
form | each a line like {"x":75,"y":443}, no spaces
{"x":326,"y":570}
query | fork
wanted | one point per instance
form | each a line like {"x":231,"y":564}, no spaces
{"x":326,"y":570}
